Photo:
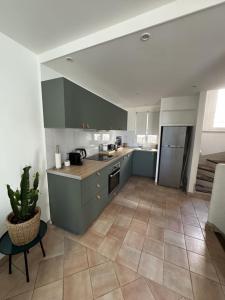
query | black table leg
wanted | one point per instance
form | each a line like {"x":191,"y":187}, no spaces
{"x":42,"y":248}
{"x":26,"y":266}
{"x":10,"y":264}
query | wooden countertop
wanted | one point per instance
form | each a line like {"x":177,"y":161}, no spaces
{"x":89,"y":167}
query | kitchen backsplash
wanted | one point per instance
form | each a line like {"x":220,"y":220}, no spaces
{"x":69,"y":139}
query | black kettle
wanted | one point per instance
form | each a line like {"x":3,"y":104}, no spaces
{"x":82,"y":151}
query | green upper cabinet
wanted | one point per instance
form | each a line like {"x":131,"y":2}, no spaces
{"x":67,"y":105}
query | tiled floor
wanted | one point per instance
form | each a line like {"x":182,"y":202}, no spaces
{"x":150,"y":243}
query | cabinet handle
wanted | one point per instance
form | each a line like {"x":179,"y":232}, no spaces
{"x":82,"y":125}
{"x":98,"y":185}
{"x":98,"y":197}
{"x":98,"y":173}
{"x":88,"y":126}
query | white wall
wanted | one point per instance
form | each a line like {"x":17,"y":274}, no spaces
{"x":68,"y":139}
{"x":217,"y":203}
{"x":196,"y":144}
{"x":213,"y":140}
{"x":21,"y":122}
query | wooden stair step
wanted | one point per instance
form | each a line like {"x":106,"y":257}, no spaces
{"x":206,"y":173}
{"x":205,"y":177}
{"x":204,"y":183}
{"x":216,"y":161}
{"x":202,"y":189}
{"x":206,"y":168}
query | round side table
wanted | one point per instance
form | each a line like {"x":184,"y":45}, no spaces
{"x":7,"y":247}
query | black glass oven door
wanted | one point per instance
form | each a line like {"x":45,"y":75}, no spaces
{"x":114,"y":180}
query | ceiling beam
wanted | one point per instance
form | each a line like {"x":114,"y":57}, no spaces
{"x":157,"y":16}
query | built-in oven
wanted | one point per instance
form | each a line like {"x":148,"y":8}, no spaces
{"x":114,"y":177}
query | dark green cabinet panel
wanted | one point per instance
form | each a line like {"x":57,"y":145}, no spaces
{"x":144,"y":163}
{"x":68,"y":105}
{"x":53,"y":103}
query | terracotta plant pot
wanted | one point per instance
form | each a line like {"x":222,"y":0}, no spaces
{"x":24,"y":233}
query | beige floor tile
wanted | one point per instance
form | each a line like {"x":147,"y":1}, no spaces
{"x":102,"y":225}
{"x":160,"y":292}
{"x":114,"y":295}
{"x":110,"y":247}
{"x":141,"y":215}
{"x":103,"y":279}
{"x":201,"y":265}
{"x":178,"y":280}
{"x":94,"y":258}
{"x":78,"y":286}
{"x":138,"y":226}
{"x":25,"y":296}
{"x":154,"y":247}
{"x":72,"y":246}
{"x":190,"y":220}
{"x":49,"y":292}
{"x":50,"y":270}
{"x":193,"y":231}
{"x":174,"y":225}
{"x":117,"y":232}
{"x":159,"y":221}
{"x":91,"y":240}
{"x":75,"y":262}
{"x":134,"y":240}
{"x":176,"y":255}
{"x":128,"y":257}
{"x":34,"y":257}
{"x":151,"y":267}
{"x":53,"y":244}
{"x":124,"y":274}
{"x":196,"y":245}
{"x":127,"y":212}
{"x":155,"y":232}
{"x":16,"y":283}
{"x":137,"y":290}
{"x":205,"y":289}
{"x":123,"y":221}
{"x":174,"y":238}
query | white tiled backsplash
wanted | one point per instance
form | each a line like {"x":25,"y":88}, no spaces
{"x":69,"y":139}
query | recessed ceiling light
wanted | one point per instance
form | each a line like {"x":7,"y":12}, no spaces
{"x":69,"y":59}
{"x":194,"y":86}
{"x":145,"y":36}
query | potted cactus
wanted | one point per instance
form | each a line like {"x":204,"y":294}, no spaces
{"x":24,"y":220}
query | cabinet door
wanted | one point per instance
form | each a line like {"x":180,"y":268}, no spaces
{"x":53,"y":103}
{"x":76,"y":105}
{"x":144,"y":163}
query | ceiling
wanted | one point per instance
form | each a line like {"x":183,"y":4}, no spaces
{"x":180,"y":55}
{"x":41,"y":25}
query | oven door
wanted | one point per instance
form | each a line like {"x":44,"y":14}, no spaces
{"x":114,"y":180}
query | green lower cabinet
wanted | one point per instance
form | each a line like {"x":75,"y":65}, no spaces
{"x":75,"y":204}
{"x":144,"y":163}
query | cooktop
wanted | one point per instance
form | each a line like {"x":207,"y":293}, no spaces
{"x":100,"y":157}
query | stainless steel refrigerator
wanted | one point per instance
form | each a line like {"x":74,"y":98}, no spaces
{"x":175,"y":141}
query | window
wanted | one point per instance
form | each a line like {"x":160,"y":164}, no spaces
{"x":147,"y":128}
{"x":219,"y":118}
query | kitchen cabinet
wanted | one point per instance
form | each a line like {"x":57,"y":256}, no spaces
{"x":144,"y":163}
{"x":125,"y":168}
{"x":75,"y":204}
{"x":68,"y":105}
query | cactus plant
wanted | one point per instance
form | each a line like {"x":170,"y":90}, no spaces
{"x":24,"y":202}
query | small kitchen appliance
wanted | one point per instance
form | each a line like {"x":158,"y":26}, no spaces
{"x":76,"y":157}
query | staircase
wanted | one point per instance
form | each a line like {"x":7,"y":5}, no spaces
{"x":206,"y":171}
